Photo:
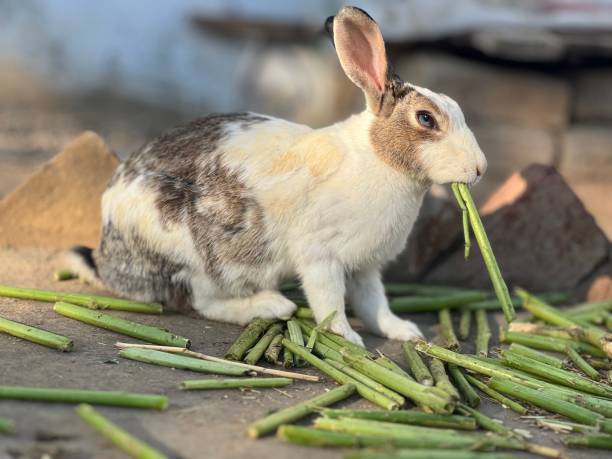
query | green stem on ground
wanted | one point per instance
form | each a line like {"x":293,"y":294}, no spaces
{"x":247,"y":338}
{"x":600,"y":441}
{"x":417,"y":366}
{"x":483,"y":333}
{"x":425,"y":454}
{"x":323,"y":326}
{"x":303,"y":313}
{"x":468,"y":394}
{"x":401,"y":289}
{"x":81,"y":299}
{"x":238,"y":383}
{"x":295,"y":335}
{"x":414,"y":417}
{"x":94,"y":397}
{"x":546,"y":343}
{"x":270,"y":423}
{"x":582,"y":364}
{"x":6,"y":425}
{"x":448,"y":338}
{"x":36,"y":335}
{"x":501,"y":398}
{"x":485,"y":421}
{"x":122,"y":326}
{"x":467,"y":243}
{"x":465,"y":322}
{"x":117,"y":436}
{"x":412,"y":304}
{"x":536,"y":355}
{"x":442,"y":380}
{"x":385,"y":362}
{"x":257,"y":351}
{"x":288,"y":358}
{"x":272,"y":354}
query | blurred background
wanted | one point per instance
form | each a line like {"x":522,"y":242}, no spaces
{"x":534,"y":77}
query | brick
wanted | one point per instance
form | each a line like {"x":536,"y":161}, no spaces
{"x":593,"y":96}
{"x":587,"y":154}
{"x":542,"y":236}
{"x":59,"y":205}
{"x":491,"y":93}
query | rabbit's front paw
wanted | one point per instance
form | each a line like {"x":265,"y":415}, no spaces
{"x":269,"y":304}
{"x":401,"y":330}
{"x":345,"y":330}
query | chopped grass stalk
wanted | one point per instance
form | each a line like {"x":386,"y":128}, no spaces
{"x":541,"y":330}
{"x":546,"y":343}
{"x":270,"y":423}
{"x":6,"y":425}
{"x":247,"y":339}
{"x":501,"y":398}
{"x":412,"y":304}
{"x":465,"y":322}
{"x":36,"y":335}
{"x":548,"y":373}
{"x":594,"y":335}
{"x":122,"y":326}
{"x":239,"y":383}
{"x":446,"y":331}
{"x":366,"y":392}
{"x":210,"y":358}
{"x":117,"y":436}
{"x":413,"y":417}
{"x":323,"y":326}
{"x":288,"y":358}
{"x":586,"y":308}
{"x":493,"y":303}
{"x":94,"y":397}
{"x":166,"y":359}
{"x":484,"y":421}
{"x":64,"y":275}
{"x":81,"y":299}
{"x":483,"y":333}
{"x":441,"y":378}
{"x":272,"y":354}
{"x":425,"y":454}
{"x":416,"y":436}
{"x":465,"y":220}
{"x":257,"y":351}
{"x":304,"y":313}
{"x":545,"y":401}
{"x":565,"y":426}
{"x":582,"y":364}
{"x":468,"y":394}
{"x":601,"y":364}
{"x":422,"y":395}
{"x":600,"y":441}
{"x":295,"y":335}
{"x":417,"y":366}
{"x":536,"y":355}
{"x":398,"y":289}
{"x":501,"y":290}
{"x":345,"y":368}
{"x":385,"y":362}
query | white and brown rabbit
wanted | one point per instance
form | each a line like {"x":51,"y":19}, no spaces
{"x":220,"y":211}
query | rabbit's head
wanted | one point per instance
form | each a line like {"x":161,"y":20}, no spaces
{"x":414,"y":130}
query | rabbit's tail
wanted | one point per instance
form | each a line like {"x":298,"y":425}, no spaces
{"x":80,"y":261}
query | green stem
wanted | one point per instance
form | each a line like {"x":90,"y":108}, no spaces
{"x":501,"y":398}
{"x":36,"y":335}
{"x":600,"y":441}
{"x":501,"y":290}
{"x":122,"y":326}
{"x":556,"y":375}
{"x":385,"y":362}
{"x":6,"y":425}
{"x":260,"y":347}
{"x":438,"y":372}
{"x":536,"y":355}
{"x":582,"y":364}
{"x":422,"y":395}
{"x":295,"y":335}
{"x":493,"y":304}
{"x":117,"y":436}
{"x":447,"y":333}
{"x":468,"y":394}
{"x":412,"y":304}
{"x":166,"y":359}
{"x":288,"y":359}
{"x":323,"y":326}
{"x":241,"y":383}
{"x":483,"y":333}
{"x":366,"y":392}
{"x":465,"y":220}
{"x":546,"y":343}
{"x":303,"y":313}
{"x":247,"y":338}
{"x":81,"y":299}
{"x":601,"y":364}
{"x":425,"y":454}
{"x":407,"y":417}
{"x":465,"y":322}
{"x":95,"y":397}
{"x":64,"y":275}
{"x":270,"y":423}
{"x":484,"y":421}
{"x":272,"y":354}
{"x":399,"y":289}
{"x":367,"y":381}
{"x":544,"y":401}
{"x":417,"y":366}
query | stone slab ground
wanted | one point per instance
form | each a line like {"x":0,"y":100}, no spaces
{"x":196,"y":424}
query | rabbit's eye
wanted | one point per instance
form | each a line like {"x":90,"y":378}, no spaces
{"x":426,"y":119}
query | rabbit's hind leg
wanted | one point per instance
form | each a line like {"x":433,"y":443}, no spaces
{"x":212,"y":304}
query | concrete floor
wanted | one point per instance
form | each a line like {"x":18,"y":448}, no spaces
{"x":196,"y":424}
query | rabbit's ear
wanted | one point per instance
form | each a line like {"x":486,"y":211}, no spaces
{"x":361,"y":50}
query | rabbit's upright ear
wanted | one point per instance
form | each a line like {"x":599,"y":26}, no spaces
{"x":361,"y":50}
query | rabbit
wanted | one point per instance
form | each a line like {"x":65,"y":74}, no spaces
{"x":219,"y":212}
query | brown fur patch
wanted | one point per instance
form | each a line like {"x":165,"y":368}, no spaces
{"x":398,"y":137}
